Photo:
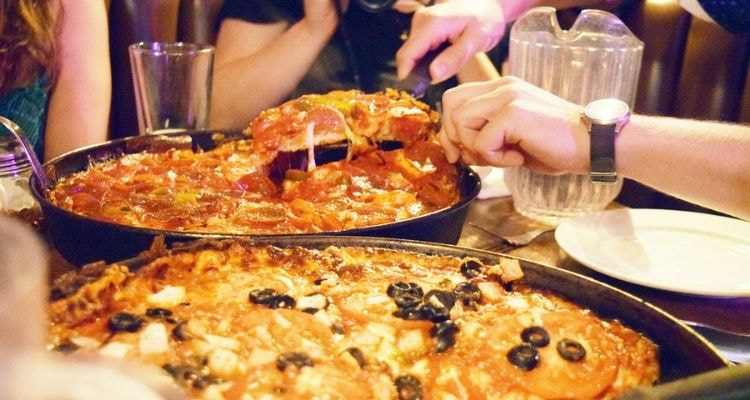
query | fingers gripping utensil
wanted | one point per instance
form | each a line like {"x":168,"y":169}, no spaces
{"x":419,"y":79}
{"x":36,"y":166}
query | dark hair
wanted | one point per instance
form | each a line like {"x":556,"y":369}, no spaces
{"x":28,"y":42}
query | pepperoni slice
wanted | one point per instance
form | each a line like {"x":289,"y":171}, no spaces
{"x":555,"y":377}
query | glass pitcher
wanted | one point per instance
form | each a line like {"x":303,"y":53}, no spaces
{"x":597,"y":57}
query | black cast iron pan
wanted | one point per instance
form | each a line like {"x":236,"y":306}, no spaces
{"x":81,"y":239}
{"x":682,"y":352}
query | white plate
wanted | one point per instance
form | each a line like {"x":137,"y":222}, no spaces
{"x":687,"y":252}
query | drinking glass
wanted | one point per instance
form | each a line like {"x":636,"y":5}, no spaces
{"x":172,"y":83}
{"x":598,"y":57}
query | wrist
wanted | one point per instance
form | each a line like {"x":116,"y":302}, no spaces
{"x":604,"y":119}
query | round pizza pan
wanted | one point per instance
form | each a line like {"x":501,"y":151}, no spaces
{"x":682,"y":352}
{"x":81,"y":239}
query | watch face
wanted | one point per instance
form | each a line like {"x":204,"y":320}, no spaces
{"x":606,"y":111}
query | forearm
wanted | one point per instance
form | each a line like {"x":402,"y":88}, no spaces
{"x":707,"y":163}
{"x":78,"y":110}
{"x":245,"y":86}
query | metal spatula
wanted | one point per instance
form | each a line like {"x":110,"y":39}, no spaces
{"x":36,"y":166}
{"x":419,"y":79}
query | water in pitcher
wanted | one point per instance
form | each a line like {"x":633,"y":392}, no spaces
{"x":597,"y":58}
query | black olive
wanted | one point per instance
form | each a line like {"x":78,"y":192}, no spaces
{"x":524,"y":356}
{"x":124,"y":322}
{"x":412,"y":313}
{"x":203,"y":381}
{"x":66,"y":347}
{"x":444,"y":334}
{"x":408,"y":387}
{"x":158,"y":313}
{"x":435,"y":313}
{"x":508,"y":286}
{"x":182,"y":373}
{"x":444,"y":328}
{"x":281,"y":301}
{"x":468,"y":293}
{"x":428,"y":312}
{"x":407,"y":300}
{"x":440,"y":298}
{"x":471,"y":269}
{"x":358,"y":355}
{"x":261,"y":296}
{"x":198,"y":360}
{"x":178,"y":332}
{"x":535,"y":336}
{"x":318,"y":281}
{"x":299,"y":360}
{"x":571,"y":350}
{"x":443,"y":343}
{"x":271,"y":299}
{"x":401,"y":288}
{"x":310,"y":310}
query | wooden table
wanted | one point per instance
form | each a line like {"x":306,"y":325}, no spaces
{"x":498,"y":216}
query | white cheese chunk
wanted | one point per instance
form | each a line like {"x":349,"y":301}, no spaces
{"x":221,"y":342}
{"x":115,"y":349}
{"x":154,"y":339}
{"x":258,"y":357}
{"x":169,"y":296}
{"x":317,"y":301}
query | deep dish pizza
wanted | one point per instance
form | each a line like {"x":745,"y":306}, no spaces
{"x":233,"y":188}
{"x":361,"y":119}
{"x":243,"y":321}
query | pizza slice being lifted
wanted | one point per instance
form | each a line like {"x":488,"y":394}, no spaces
{"x":359,"y":119}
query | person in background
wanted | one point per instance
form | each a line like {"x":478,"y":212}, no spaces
{"x":55,"y":81}
{"x":471,"y":32}
{"x":508,"y":122}
{"x":269,"y":51}
{"x":734,"y":16}
{"x":469,"y":26}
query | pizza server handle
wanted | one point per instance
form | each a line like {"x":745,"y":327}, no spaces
{"x":726,"y":383}
{"x":419,"y":79}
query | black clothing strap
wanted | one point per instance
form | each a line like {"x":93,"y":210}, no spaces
{"x":603,"y":153}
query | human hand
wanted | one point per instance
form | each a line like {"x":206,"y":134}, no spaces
{"x":509,"y":122}
{"x":472,"y":26}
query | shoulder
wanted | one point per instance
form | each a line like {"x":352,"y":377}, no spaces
{"x":262,"y":11}
{"x":732,"y":15}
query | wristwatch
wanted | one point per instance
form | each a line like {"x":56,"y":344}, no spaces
{"x":604,"y":118}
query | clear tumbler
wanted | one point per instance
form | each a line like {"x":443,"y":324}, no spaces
{"x":172,"y":83}
{"x":597,"y":57}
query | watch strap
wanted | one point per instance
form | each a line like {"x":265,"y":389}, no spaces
{"x":603,"y":153}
